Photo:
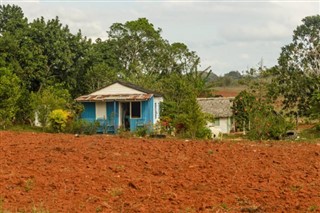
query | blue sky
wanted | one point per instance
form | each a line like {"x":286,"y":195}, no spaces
{"x":227,"y":35}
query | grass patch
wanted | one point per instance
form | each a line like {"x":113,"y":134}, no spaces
{"x":309,"y":134}
{"x":295,"y":188}
{"x":313,"y":208}
{"x":34,"y":209}
{"x":210,"y":151}
{"x":224,"y":206}
{"x":39,"y":209}
{"x":29,"y":184}
{"x":115,"y":192}
{"x":99,"y":209}
{"x":25,"y":128}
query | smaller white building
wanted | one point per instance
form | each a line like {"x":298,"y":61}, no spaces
{"x":221,"y":109}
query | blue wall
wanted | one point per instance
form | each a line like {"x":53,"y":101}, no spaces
{"x":110,"y":112}
{"x":89,"y":112}
{"x":146,"y":115}
{"x":112,"y":115}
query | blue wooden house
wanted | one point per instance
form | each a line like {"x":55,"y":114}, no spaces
{"x":121,"y":104}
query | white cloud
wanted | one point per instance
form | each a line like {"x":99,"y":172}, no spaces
{"x":244,"y":56}
{"x":259,"y":32}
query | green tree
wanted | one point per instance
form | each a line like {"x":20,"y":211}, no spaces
{"x":258,"y":117}
{"x":9,"y":95}
{"x":65,"y":53}
{"x":140,"y":55}
{"x":49,"y":99}
{"x":181,"y":106}
{"x":181,"y":59}
{"x":242,"y":106}
{"x":103,"y":65}
{"x":12,"y":19}
{"x":266,"y":123}
{"x":138,"y":46}
{"x":17,"y":51}
{"x":297,"y":75}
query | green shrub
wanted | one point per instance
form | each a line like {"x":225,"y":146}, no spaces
{"x":58,"y":120}
{"x":90,"y":128}
{"x":76,"y":126}
{"x":204,"y":133}
{"x":80,"y":126}
{"x":141,"y":131}
{"x":258,"y":116}
{"x":265,"y":123}
{"x":123,"y":132}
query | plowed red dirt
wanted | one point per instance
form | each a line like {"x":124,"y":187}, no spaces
{"x":64,"y":173}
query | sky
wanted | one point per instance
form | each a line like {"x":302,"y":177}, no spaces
{"x":228,"y":35}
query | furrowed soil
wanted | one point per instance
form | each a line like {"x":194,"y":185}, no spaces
{"x":62,"y":173}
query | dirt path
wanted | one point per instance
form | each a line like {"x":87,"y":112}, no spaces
{"x":63,"y":173}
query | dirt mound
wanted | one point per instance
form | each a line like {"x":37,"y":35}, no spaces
{"x":64,"y":173}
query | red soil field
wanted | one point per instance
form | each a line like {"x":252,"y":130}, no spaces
{"x":101,"y":173}
{"x":228,"y":91}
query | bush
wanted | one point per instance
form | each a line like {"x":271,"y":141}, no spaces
{"x":204,"y":133}
{"x":265,"y":123}
{"x":58,"y":120}
{"x":141,"y":131}
{"x":90,"y":128}
{"x":123,"y":132}
{"x":81,"y":126}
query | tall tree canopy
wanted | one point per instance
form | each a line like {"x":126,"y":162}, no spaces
{"x":12,"y":19}
{"x":298,"y":74}
{"x":138,"y":46}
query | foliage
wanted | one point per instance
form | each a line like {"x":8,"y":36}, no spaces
{"x":297,"y":75}
{"x":138,"y":46}
{"x":25,"y":114}
{"x":141,"y":131}
{"x":164,"y":126}
{"x":204,"y":133}
{"x":81,"y":126}
{"x":64,"y":53}
{"x":258,"y":117}
{"x":123,"y":132}
{"x":181,"y":106}
{"x":315,"y":105}
{"x":311,"y":134}
{"x":11,"y":18}
{"x":242,"y":105}
{"x":9,"y":95}
{"x":230,"y":79}
{"x":265,"y":123}
{"x":47,"y":100}
{"x":58,"y":119}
